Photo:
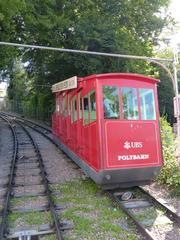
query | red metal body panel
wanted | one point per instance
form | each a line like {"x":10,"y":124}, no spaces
{"x":90,"y":136}
{"x":131,"y":144}
{"x":107,"y":144}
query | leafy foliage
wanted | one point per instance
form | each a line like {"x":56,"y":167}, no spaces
{"x":127,"y":27}
{"x":170,"y":173}
{"x":11,"y":29}
{"x":166,"y":90}
{"x":165,"y":97}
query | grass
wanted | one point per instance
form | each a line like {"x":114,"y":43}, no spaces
{"x":150,"y":217}
{"x":87,"y":207}
{"x":91,"y":211}
{"x":49,"y":237}
{"x":32,"y":218}
{"x":175,"y":192}
{"x":22,"y":200}
{"x":149,"y":213}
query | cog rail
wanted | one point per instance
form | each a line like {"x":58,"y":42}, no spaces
{"x":130,"y":204}
{"x":171,"y":214}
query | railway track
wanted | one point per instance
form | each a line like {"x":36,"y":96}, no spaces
{"x":40,"y":128}
{"x":27,"y":163}
{"x":36,"y":126}
{"x":127,"y":201}
{"x":137,"y":200}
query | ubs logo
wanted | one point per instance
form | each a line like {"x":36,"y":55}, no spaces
{"x":128,"y":145}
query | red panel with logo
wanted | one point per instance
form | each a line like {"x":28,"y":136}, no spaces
{"x":132,"y":144}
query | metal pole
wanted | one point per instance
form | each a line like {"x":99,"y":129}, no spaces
{"x":175,"y":62}
{"x":150,"y":59}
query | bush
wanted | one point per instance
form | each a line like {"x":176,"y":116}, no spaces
{"x":170,"y":173}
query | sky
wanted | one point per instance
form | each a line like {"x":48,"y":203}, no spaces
{"x":3,"y":85}
{"x":175,"y":10}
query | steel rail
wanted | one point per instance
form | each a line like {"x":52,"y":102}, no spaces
{"x":139,"y":226}
{"x":171,"y":214}
{"x":27,"y":120}
{"x":145,"y":232}
{"x":3,"y":226}
{"x":41,"y":132}
{"x":37,"y":130}
{"x":46,"y":184}
{"x":48,"y":129}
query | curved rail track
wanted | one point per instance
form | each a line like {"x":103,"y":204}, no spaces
{"x":21,"y":137}
{"x":127,"y":205}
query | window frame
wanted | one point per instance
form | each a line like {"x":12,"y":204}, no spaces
{"x":119,"y":103}
{"x":91,"y":120}
{"x":69,"y":104}
{"x":136,"y":104}
{"x":57,"y":105}
{"x":153,"y":105}
{"x":74,"y":109}
{"x":88,"y":117}
{"x":64,"y":105}
{"x":139,"y":116}
{"x":80,"y":106}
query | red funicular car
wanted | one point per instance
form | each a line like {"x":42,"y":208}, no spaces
{"x":109,"y":125}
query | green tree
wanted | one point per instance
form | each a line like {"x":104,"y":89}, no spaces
{"x":11,"y":29}
{"x":127,"y":27}
{"x":166,"y":90}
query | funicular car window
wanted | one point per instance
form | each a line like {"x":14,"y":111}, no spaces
{"x":69,"y":105}
{"x":64,"y":105}
{"x":85,"y":110}
{"x":147,"y":104}
{"x":74,"y":109}
{"x":80,"y":104}
{"x":130,"y":103}
{"x":92,"y":106}
{"x":57,"y":105}
{"x":111,"y":102}
{"x":61,"y":104}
